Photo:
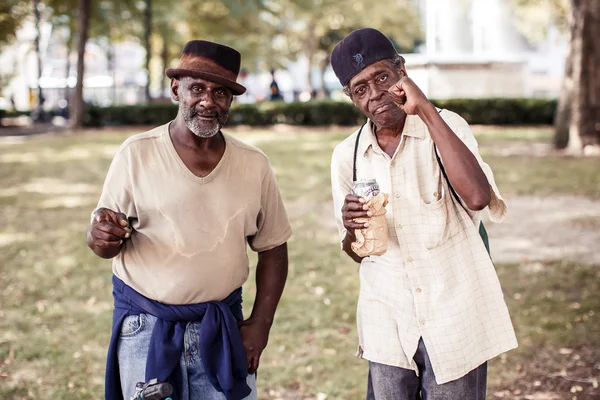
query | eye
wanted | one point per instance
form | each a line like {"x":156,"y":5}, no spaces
{"x":221,"y":92}
{"x":359,"y":91}
{"x":382,"y":78}
{"x":196,"y":89}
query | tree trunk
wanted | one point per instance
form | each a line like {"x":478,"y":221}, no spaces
{"x":110,"y":58}
{"x":84,"y":22}
{"x":562,"y":117}
{"x":38,"y":54}
{"x":324,"y":93}
{"x":69,"y":45}
{"x":147,"y":33}
{"x":589,"y":82}
{"x":582,"y":65}
{"x":310,"y":48}
{"x":164,"y":56}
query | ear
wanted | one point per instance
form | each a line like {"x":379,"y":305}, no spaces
{"x":403,"y":67}
{"x":175,"y":85}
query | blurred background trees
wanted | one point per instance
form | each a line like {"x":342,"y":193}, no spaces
{"x":273,"y":33}
{"x":577,"y":117}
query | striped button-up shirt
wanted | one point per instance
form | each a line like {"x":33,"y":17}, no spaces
{"x":436,"y":281}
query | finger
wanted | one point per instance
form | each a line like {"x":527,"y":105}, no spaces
{"x":100,"y":215}
{"x":110,"y":227}
{"x":105,"y":214}
{"x":108,"y":244}
{"x":249,"y":359}
{"x":355,"y":225}
{"x":101,"y":235}
{"x":352,"y":198}
{"x":356,"y":207}
{"x":350,"y":215}
{"x":253,"y":365}
{"x":122,"y":218}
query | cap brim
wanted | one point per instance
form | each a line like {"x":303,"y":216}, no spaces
{"x":235,"y":87}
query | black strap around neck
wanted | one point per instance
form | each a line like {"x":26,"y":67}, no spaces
{"x":355,"y":153}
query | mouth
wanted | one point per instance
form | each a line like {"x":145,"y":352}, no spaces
{"x":382,"y":108}
{"x":207,"y":117}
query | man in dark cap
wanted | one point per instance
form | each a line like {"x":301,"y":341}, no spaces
{"x":179,"y":205}
{"x":430,"y":310}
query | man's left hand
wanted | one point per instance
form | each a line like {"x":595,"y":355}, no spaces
{"x":255,"y":335}
{"x":407,"y":95}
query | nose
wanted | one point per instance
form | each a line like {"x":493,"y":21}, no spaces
{"x":375,"y":92}
{"x":208,"y":101}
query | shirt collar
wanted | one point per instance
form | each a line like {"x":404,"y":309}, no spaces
{"x":413,"y":127}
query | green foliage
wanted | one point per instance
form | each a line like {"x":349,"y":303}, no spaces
{"x":12,"y":14}
{"x":146,"y":114}
{"x":534,"y":17}
{"x":327,"y":112}
{"x":313,"y":27}
{"x":499,"y":111}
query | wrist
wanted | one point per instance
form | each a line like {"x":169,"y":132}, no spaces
{"x":263,"y":320}
{"x":425,"y":110}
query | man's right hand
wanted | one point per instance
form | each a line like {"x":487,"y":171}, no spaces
{"x":107,"y":232}
{"x":354,"y":207}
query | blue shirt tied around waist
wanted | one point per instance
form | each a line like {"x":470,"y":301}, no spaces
{"x":220,"y":346}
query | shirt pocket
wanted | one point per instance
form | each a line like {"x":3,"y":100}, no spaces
{"x":436,"y":226}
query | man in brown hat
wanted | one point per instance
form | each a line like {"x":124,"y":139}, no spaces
{"x":179,"y":205}
{"x":431,"y":312}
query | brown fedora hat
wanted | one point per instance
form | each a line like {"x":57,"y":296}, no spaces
{"x":211,"y":61}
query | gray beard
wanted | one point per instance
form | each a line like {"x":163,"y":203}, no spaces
{"x":198,"y":128}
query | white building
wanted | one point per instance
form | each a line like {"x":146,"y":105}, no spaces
{"x":473,"y":50}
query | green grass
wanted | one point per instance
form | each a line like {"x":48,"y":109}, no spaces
{"x":493,"y":134}
{"x":55,"y":301}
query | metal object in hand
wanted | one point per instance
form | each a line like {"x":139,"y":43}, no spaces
{"x":366,"y":188}
{"x":152,"y":390}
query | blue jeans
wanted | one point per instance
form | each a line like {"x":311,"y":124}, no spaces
{"x":394,"y":383}
{"x":134,"y":340}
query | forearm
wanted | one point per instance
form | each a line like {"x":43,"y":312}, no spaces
{"x":103,"y":252}
{"x":461,"y":166}
{"x":347,"y":246}
{"x":271,"y":274}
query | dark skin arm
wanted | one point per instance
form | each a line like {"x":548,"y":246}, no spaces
{"x":354,"y":207}
{"x":271,"y":274}
{"x":462,"y":168}
{"x":107,"y":232}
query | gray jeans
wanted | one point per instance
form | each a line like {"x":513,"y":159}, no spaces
{"x":394,"y":383}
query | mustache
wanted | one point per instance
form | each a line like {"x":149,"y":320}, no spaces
{"x":381,"y":104}
{"x":205,"y":113}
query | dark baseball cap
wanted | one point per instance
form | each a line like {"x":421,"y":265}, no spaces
{"x":358,"y":50}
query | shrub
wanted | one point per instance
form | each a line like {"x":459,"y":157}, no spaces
{"x":496,"y":111}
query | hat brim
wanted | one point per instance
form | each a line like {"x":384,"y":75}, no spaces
{"x":177,"y":73}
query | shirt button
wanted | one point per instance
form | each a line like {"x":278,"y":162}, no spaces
{"x":397,"y":195}
{"x":422,"y":322}
{"x":435,"y":194}
{"x":409,"y":259}
{"x":418,"y":290}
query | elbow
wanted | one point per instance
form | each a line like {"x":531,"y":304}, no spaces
{"x":480,"y":201}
